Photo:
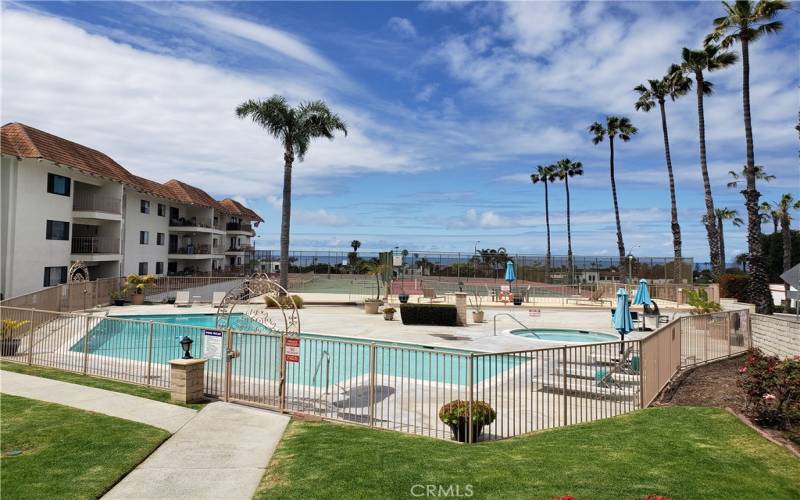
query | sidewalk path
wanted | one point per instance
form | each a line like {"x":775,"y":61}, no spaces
{"x":162,"y":415}
{"x":222,"y":453}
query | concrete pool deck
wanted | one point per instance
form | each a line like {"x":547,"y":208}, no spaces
{"x":353,"y":322}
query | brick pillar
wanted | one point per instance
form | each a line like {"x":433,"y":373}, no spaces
{"x":461,"y":308}
{"x":186,"y":376}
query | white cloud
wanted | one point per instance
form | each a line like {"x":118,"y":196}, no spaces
{"x":426,"y":93}
{"x":402,"y":26}
{"x":319,"y":217}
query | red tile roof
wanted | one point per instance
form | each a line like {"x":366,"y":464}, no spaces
{"x":18,"y":139}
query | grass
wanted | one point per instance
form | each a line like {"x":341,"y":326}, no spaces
{"x":679,"y":452}
{"x":100,"y":383}
{"x":66,"y":452}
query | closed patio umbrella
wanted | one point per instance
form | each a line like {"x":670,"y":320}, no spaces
{"x":622,"y":316}
{"x":511,"y":276}
{"x":642,"y":297}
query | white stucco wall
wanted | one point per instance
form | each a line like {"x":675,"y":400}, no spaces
{"x":135,"y":221}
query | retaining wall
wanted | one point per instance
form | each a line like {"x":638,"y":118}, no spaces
{"x":775,"y":335}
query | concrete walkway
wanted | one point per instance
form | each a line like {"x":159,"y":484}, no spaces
{"x":220,"y":452}
{"x":162,"y":415}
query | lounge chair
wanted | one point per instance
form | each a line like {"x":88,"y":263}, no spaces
{"x":430,"y":295}
{"x":182,"y":299}
{"x":216,"y":301}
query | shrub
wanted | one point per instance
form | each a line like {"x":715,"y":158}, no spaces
{"x":390,"y":310}
{"x":283,"y":301}
{"x":452,"y":412}
{"x":772,"y":389}
{"x":429,"y":314}
{"x":734,"y":286}
{"x":10,"y":328}
{"x":139,"y":283}
{"x":698,"y":299}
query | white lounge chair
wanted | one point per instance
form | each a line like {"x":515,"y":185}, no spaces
{"x":182,"y":299}
{"x":216,"y":301}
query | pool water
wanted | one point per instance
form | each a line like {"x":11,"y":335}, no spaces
{"x":324,"y":359}
{"x":565,"y":336}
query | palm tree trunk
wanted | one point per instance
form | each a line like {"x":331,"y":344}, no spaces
{"x":774,"y":225}
{"x":620,"y":243}
{"x":547,"y":224}
{"x":676,"y":228}
{"x":286,"y":213}
{"x":720,"y":229}
{"x":569,"y":236}
{"x":710,"y":219}
{"x":787,"y":251}
{"x":760,"y":294}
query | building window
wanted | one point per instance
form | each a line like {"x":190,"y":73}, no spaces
{"x":57,"y":230}
{"x":145,"y":207}
{"x":55,"y":275}
{"x":162,"y":210}
{"x":58,"y":184}
{"x":142,"y":268}
{"x":144,"y":237}
{"x":160,"y":237}
{"x":159,"y":268}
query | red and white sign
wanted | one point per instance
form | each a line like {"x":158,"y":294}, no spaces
{"x":292,"y":351}
{"x":534,"y":312}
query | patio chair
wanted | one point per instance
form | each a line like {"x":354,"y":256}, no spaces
{"x":216,"y":301}
{"x":430,"y":295}
{"x":182,"y":299}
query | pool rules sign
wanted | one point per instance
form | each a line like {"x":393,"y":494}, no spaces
{"x":292,"y":351}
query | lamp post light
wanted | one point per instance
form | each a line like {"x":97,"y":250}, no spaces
{"x":186,"y":345}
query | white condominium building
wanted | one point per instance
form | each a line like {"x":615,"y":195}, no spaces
{"x":62,"y":202}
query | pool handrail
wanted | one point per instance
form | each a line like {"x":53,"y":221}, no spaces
{"x":325,"y":355}
{"x":494,"y":320}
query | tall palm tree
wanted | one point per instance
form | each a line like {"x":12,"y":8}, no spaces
{"x":768,"y":213}
{"x":736,"y":178}
{"x":694,"y":63}
{"x":745,"y":22}
{"x":784,"y":207}
{"x":295,"y":127}
{"x":616,"y":126}
{"x":546,"y":174}
{"x":565,"y":169}
{"x":673,"y":85}
{"x":724,"y":214}
{"x":355,"y":244}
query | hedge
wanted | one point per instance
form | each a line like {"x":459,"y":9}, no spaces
{"x":429,"y":314}
{"x":734,"y":286}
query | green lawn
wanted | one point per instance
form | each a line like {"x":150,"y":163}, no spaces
{"x":100,"y":383}
{"x":679,"y":452}
{"x":66,"y":452}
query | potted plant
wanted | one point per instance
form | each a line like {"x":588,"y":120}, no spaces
{"x":403,"y":298}
{"x":456,"y":413}
{"x":371,"y":305}
{"x":477,"y":311}
{"x":118,"y":296}
{"x":388,"y":313}
{"x":9,"y":345}
{"x":138,"y":284}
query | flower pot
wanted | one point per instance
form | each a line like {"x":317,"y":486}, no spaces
{"x":137,"y":299}
{"x":403,"y":298}
{"x":460,"y":431}
{"x":9,"y":347}
{"x":371,"y":307}
{"x":388,"y":316}
{"x":477,"y":316}
{"x":119,"y":302}
{"x":517,"y":301}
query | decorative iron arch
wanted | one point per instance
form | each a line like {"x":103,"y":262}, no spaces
{"x":77,"y":272}
{"x":257,"y":285}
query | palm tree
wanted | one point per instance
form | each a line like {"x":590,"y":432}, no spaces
{"x":694,"y":63}
{"x":724,"y":214}
{"x":673,"y":85}
{"x":545,"y":174}
{"x":760,"y":174}
{"x":355,"y":244}
{"x":784,"y":206}
{"x":565,"y":169}
{"x":294,"y":127}
{"x":741,"y":260}
{"x":746,"y":21}
{"x":616,"y":126}
{"x":768,"y":214}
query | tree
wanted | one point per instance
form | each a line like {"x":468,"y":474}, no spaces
{"x":741,"y":260}
{"x":784,"y":207}
{"x":616,"y":126}
{"x":673,"y":85}
{"x":565,"y":169}
{"x":745,"y":22}
{"x":355,"y":244}
{"x":694,"y":63}
{"x":295,"y":127}
{"x":724,"y":214}
{"x":768,"y":214}
{"x":545,"y":175}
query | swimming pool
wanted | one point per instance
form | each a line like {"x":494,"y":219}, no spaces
{"x":324,"y":359}
{"x":565,"y":335}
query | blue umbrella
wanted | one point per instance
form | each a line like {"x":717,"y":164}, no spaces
{"x":642,"y":297}
{"x":510,"y":275}
{"x":622,"y":316}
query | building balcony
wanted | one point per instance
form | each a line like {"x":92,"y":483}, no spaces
{"x":190,"y":252}
{"x":239,"y":250}
{"x":239,"y":227}
{"x":93,"y":206}
{"x":195,"y":225}
{"x":94,"y":248}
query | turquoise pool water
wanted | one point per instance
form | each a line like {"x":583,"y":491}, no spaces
{"x":324,"y":359}
{"x":564,"y":335}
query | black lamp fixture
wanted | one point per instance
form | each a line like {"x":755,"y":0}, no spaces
{"x":460,"y":286}
{"x":186,"y":345}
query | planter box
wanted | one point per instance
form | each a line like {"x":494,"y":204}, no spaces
{"x":137,"y":299}
{"x":461,"y":434}
{"x":477,"y":316}
{"x":371,"y":307}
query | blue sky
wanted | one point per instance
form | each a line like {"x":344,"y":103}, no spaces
{"x":450,"y":107}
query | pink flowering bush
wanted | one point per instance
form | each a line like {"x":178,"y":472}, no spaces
{"x":772,"y":389}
